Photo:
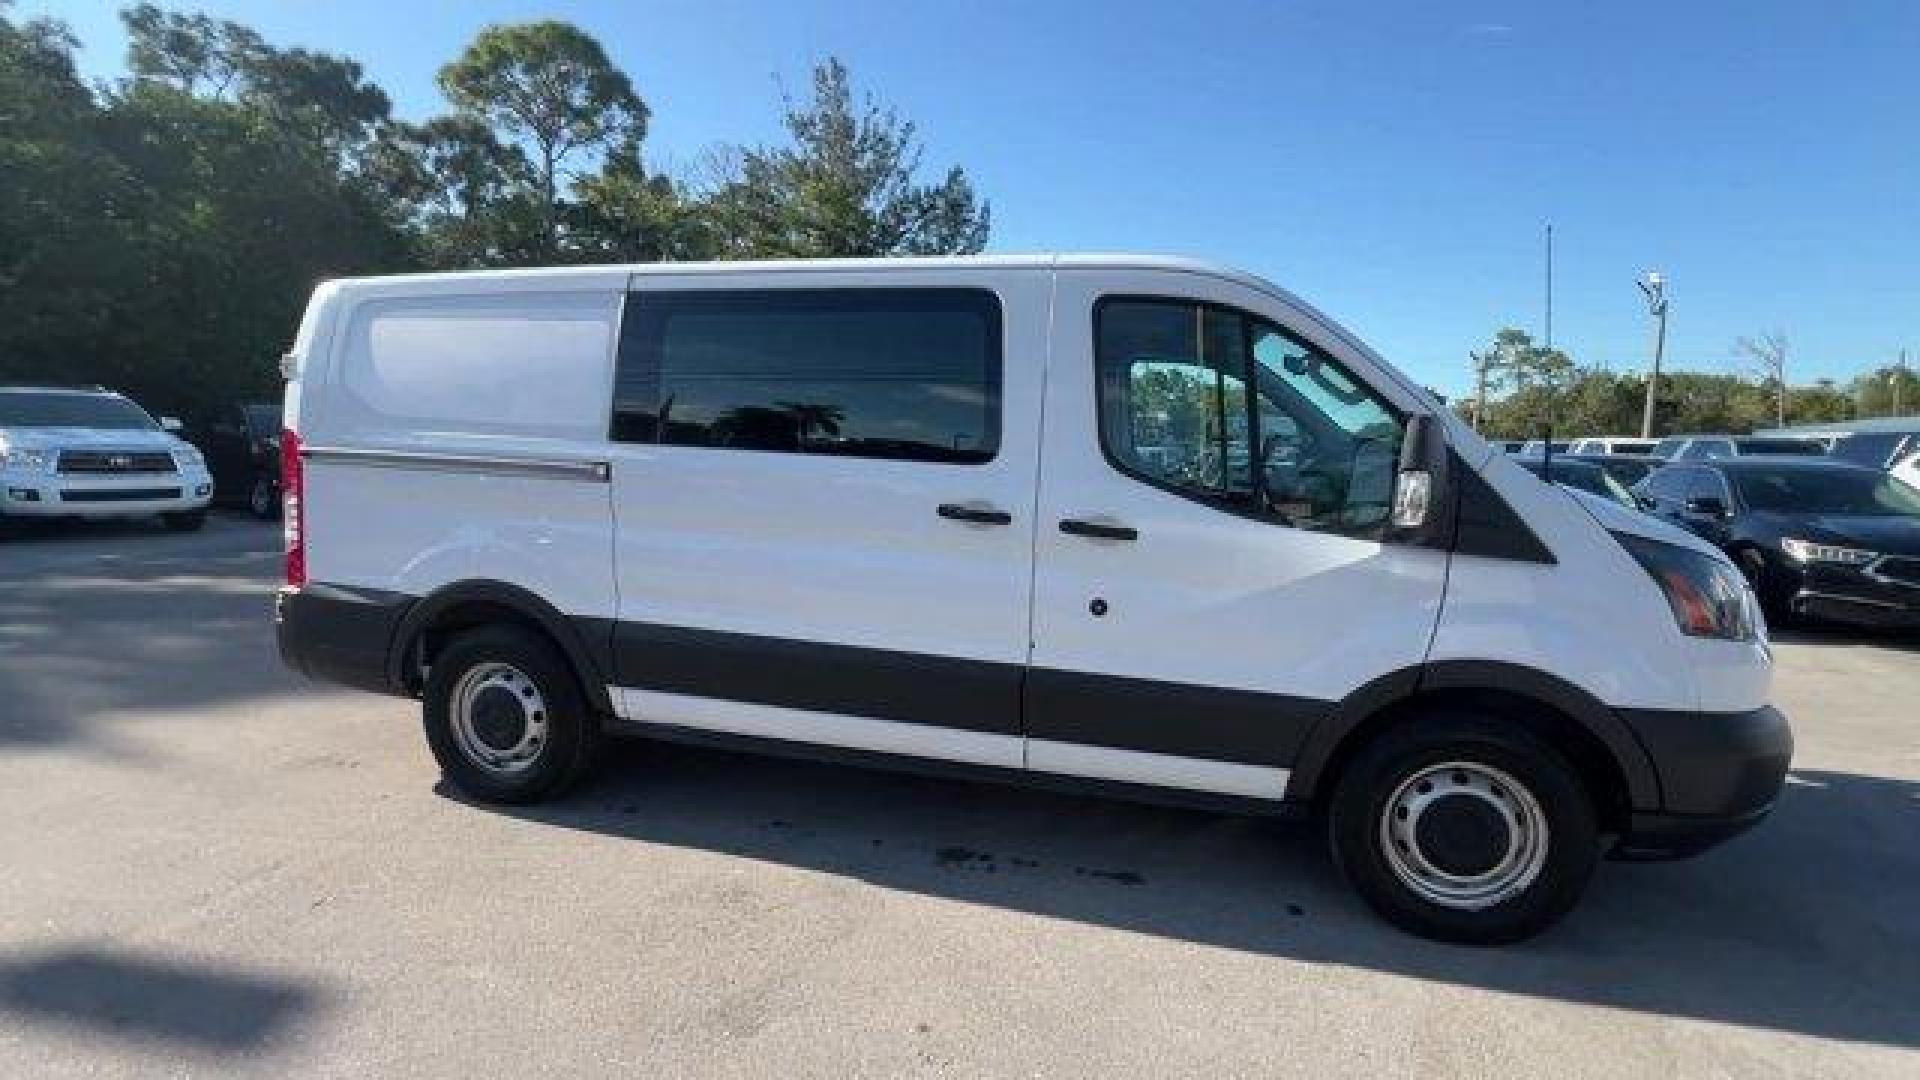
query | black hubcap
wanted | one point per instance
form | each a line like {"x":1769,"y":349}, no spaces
{"x":1462,"y":835}
{"x":498,"y":719}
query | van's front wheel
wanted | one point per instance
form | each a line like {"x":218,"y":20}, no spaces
{"x":1465,"y":830}
{"x":505,"y":717}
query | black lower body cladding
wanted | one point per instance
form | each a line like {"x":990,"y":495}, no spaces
{"x":1720,"y":773}
{"x":1693,"y":778}
{"x":339,"y":633}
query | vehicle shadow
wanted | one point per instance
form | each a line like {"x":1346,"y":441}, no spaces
{"x":78,"y":643}
{"x":104,"y":993}
{"x":1806,"y":925}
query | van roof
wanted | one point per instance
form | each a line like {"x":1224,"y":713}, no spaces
{"x":1096,"y":260}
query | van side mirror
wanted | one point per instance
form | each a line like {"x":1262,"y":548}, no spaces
{"x":1422,"y":487}
{"x":1707,"y":506}
{"x":171,"y":423}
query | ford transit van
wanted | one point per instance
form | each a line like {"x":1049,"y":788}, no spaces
{"x":1138,"y":523}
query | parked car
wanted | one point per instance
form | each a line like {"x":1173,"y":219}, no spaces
{"x":1612,"y":445}
{"x":1628,"y":469}
{"x":90,"y":453}
{"x":1581,"y":476}
{"x":1878,"y":442}
{"x":1538,"y":447}
{"x":242,"y":446}
{"x":1814,"y":537}
{"x":1907,"y":470}
{"x":1702,"y":447}
{"x":840,"y":507}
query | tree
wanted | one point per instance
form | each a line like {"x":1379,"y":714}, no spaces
{"x":1769,"y":354}
{"x":625,"y":213}
{"x":465,"y":197}
{"x":1534,"y":380}
{"x":549,"y":86}
{"x":1890,"y":390}
{"x":846,"y":187}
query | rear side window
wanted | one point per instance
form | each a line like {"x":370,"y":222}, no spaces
{"x":515,"y":364}
{"x":904,"y":374}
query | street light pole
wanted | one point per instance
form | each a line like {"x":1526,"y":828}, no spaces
{"x":1655,"y":286}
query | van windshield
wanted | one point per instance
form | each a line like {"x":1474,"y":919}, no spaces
{"x":38,"y":408}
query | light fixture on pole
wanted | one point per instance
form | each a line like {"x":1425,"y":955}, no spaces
{"x":1654,"y":285}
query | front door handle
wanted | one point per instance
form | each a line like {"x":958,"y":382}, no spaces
{"x":978,"y":515}
{"x":1098,"y":530}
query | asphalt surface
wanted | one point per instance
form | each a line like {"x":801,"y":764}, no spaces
{"x":209,"y":866}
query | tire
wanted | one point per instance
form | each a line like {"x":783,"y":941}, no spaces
{"x":1521,"y":887}
{"x":263,"y":501}
{"x":190,"y":521}
{"x":483,"y":676}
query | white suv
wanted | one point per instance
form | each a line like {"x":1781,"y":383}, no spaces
{"x":95,"y":454}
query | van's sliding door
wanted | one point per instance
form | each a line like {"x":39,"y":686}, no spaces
{"x":823,"y":496}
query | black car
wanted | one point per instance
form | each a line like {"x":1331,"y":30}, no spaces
{"x":1815,"y":536}
{"x":1629,"y":469}
{"x":1583,"y":475}
{"x":242,"y":447}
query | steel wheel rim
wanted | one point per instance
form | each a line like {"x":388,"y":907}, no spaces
{"x":1521,"y":858}
{"x":477,"y":708}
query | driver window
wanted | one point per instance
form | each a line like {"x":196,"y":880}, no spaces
{"x":1211,"y":403}
{"x":1329,"y":445}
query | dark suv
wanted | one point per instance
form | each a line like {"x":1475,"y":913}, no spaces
{"x":242,"y":447}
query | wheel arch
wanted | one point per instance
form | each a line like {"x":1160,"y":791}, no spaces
{"x":586,"y":644}
{"x":1601,"y":745}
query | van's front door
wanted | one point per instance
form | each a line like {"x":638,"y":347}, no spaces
{"x":1217,"y":471}
{"x":823,"y":496}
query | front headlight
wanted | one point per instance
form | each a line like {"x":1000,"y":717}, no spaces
{"x":1708,"y":596}
{"x":188,"y":456}
{"x":1808,"y":551}
{"x":28,"y":461}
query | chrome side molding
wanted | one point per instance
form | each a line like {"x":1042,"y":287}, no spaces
{"x":590,"y":472}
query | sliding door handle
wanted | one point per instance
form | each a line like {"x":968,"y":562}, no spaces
{"x":977,"y":515}
{"x":1098,"y":530}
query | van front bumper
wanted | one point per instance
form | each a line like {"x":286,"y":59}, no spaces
{"x":1720,"y":773}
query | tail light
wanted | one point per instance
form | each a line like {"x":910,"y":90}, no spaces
{"x":293,"y":510}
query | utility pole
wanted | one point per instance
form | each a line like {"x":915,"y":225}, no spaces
{"x":1549,"y":334}
{"x":1899,"y":377}
{"x":1655,"y":286}
{"x":1479,"y":389}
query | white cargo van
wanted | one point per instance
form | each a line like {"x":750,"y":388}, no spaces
{"x":1134,"y":522}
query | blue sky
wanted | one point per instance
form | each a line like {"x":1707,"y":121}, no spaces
{"x":1393,"y":163}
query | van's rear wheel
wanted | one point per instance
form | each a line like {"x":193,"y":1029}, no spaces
{"x":1465,"y":830}
{"x":505,"y":716}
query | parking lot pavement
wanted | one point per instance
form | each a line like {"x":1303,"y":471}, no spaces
{"x":212,"y":867}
